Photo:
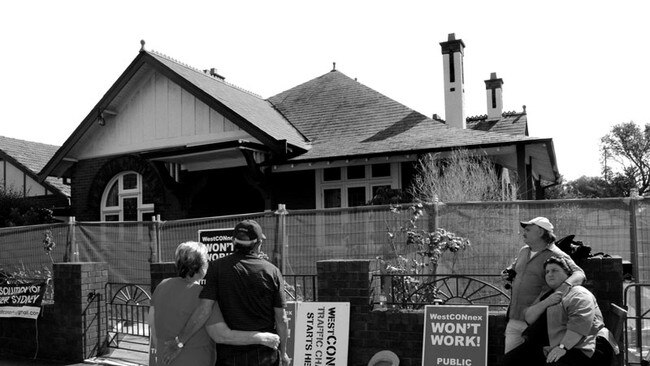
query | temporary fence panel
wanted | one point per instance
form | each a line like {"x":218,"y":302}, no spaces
{"x":613,"y":226}
{"x":21,"y":248}
{"x":127,"y":247}
{"x":172,"y":233}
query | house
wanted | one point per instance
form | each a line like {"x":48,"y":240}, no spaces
{"x":20,"y":162}
{"x":173,"y":140}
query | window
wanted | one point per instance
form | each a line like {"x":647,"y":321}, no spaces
{"x":123,"y":199}
{"x":354,"y":185}
{"x":356,"y":196}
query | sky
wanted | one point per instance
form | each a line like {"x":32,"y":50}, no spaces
{"x":579,"y":67}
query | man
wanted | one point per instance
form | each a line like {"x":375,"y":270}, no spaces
{"x":250,"y":292}
{"x":529,"y":281}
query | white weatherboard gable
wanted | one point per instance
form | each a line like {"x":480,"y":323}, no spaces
{"x":157,"y":114}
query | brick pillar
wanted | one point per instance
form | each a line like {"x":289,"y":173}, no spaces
{"x":160,"y":271}
{"x":73,"y":282}
{"x":345,"y":280}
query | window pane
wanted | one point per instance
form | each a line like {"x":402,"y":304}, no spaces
{"x":130,"y":181}
{"x":377,"y":189}
{"x":112,"y":218}
{"x":381,"y":170}
{"x":130,"y":207}
{"x":357,"y":172}
{"x":331,"y":174}
{"x":111,"y":197}
{"x":356,"y":196}
{"x":332,"y":198}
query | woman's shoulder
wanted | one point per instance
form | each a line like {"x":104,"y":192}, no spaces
{"x":577,"y":293}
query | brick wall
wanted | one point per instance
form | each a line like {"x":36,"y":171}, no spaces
{"x":62,"y":332}
{"x":372,"y":331}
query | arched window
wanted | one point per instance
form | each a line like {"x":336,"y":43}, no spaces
{"x":124,"y":199}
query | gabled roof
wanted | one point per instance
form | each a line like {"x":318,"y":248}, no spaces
{"x":250,"y":112}
{"x":343,"y":118}
{"x":31,"y":157}
{"x":512,"y":123}
{"x":249,"y":106}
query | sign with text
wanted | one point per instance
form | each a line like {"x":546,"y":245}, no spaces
{"x":21,"y":300}
{"x":218,"y":241}
{"x":291,"y":317}
{"x":455,"y":335}
{"x":322,"y":331}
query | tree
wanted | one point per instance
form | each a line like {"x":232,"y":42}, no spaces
{"x":458,"y":177}
{"x":625,"y":152}
{"x":15,"y":210}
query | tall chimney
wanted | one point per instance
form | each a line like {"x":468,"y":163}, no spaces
{"x":494,"y":96}
{"x":452,"y":62}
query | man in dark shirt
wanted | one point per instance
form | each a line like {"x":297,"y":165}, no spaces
{"x":250,"y":292}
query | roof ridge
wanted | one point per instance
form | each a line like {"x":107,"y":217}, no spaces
{"x":203,"y":73}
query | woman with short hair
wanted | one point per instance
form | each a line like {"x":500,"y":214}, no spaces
{"x":173,"y":302}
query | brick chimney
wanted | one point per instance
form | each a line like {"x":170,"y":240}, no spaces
{"x":452,"y":57}
{"x":494,"y":96}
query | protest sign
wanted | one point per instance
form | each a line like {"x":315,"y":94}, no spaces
{"x":455,"y":335}
{"x":218,"y":241}
{"x":291,"y":317}
{"x":21,"y":300}
{"x":321,"y":334}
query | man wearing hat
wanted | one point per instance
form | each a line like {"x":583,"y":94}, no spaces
{"x":529,"y":281}
{"x":249,"y":291}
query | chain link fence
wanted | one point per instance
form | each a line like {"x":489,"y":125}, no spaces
{"x":613,"y":226}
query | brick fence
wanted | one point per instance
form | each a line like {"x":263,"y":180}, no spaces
{"x":62,"y":332}
{"x":73,"y":328}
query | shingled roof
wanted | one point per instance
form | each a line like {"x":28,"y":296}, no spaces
{"x":32,"y":157}
{"x":342,"y":117}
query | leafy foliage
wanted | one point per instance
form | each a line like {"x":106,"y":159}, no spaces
{"x":428,"y":246}
{"x":414,"y":252}
{"x":625,"y":153}
{"x":15,"y":210}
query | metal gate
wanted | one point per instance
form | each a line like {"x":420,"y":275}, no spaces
{"x":127,"y":308}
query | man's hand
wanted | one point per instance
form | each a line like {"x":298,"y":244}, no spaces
{"x":270,"y":340}
{"x":285,"y":360}
{"x":169,"y":352}
{"x":553,"y":298}
{"x":555,"y":354}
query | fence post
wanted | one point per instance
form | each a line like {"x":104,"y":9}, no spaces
{"x":72,"y":252}
{"x":155,"y":256}
{"x":282,"y":212}
{"x":634,"y":249}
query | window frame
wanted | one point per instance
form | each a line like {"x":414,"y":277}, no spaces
{"x":344,"y":183}
{"x":142,"y":208}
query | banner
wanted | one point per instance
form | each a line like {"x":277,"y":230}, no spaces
{"x":321,"y":334}
{"x":21,"y":300}
{"x":218,"y":241}
{"x":455,"y":335}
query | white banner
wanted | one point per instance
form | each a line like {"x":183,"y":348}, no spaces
{"x":322,"y":332}
{"x":30,"y":312}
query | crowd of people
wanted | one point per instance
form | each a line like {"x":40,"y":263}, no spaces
{"x":552,"y":318}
